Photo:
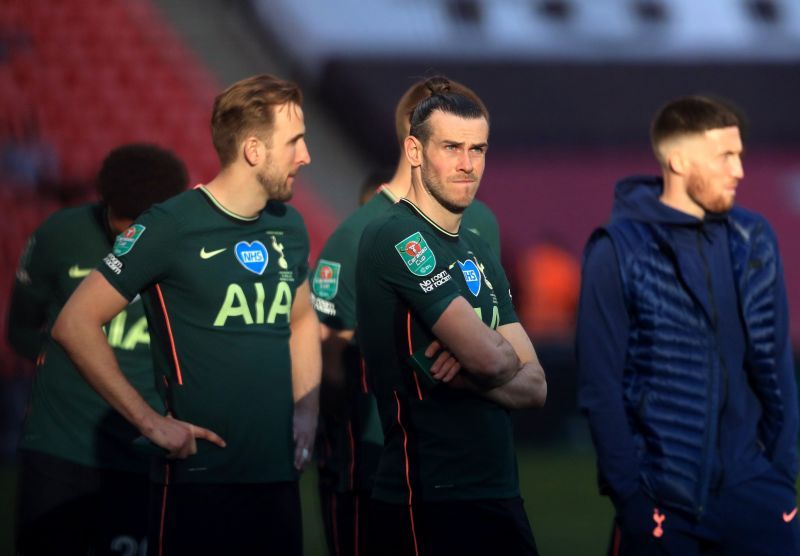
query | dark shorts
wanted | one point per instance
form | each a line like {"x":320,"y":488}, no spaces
{"x":469,"y":527}
{"x":196,"y":519}
{"x":756,"y":517}
{"x":67,"y":508}
{"x":344,"y":516}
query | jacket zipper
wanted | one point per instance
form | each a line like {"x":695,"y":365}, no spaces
{"x":722,"y":367}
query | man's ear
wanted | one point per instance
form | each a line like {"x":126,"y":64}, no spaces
{"x":253,"y":150}
{"x":677,"y":162}
{"x":413,"y":150}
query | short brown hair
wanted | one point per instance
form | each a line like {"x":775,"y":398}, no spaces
{"x":247,"y":107}
{"x":424,"y":89}
{"x":692,"y":114}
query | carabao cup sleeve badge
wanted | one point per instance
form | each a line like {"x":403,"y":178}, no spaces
{"x":326,"y":279}
{"x":414,"y":251}
{"x":127,"y":239}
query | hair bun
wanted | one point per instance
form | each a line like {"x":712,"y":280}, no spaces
{"x":438,"y":85}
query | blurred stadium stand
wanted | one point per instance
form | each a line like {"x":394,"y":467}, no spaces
{"x":571,"y":86}
{"x":78,"y":78}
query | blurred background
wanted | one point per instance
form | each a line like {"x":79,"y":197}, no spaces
{"x":571,"y":86}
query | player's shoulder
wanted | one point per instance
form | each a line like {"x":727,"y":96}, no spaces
{"x":747,"y":216}
{"x":68,"y":222}
{"x":179,"y":208}
{"x":358,"y":220}
{"x":348,"y":233}
{"x":284,"y":213}
{"x":478,"y":210}
{"x":394,"y":222}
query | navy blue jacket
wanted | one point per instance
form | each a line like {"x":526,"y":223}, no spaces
{"x":685,"y":365}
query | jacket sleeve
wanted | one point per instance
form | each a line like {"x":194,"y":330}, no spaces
{"x":602,"y":338}
{"x":784,"y":452}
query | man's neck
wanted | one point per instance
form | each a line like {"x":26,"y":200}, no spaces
{"x":400,"y":183}
{"x":239,"y":194}
{"x":442,"y":217}
{"x":674,"y":195}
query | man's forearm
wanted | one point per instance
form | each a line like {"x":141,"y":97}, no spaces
{"x":504,"y":366}
{"x":304,"y":347}
{"x":88,"y":348}
{"x":527,"y":389}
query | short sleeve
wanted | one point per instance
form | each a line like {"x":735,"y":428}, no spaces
{"x":405,"y":261}
{"x":334,"y":282}
{"x":142,"y":253}
{"x":502,"y":289}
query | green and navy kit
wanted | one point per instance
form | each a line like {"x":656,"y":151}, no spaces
{"x":66,"y":417}
{"x":218,"y":291}
{"x":441,"y":443}
{"x":349,"y":449}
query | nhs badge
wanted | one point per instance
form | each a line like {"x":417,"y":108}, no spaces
{"x":472,"y":276}
{"x":253,"y":256}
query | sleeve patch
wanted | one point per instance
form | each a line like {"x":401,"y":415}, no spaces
{"x":325,"y":283}
{"x":126,"y":240}
{"x":416,"y":254}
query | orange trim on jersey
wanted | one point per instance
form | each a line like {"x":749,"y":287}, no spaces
{"x":364,"y":386}
{"x":615,"y":547}
{"x":163,"y":512}
{"x":171,"y":337}
{"x":41,"y":358}
{"x":408,"y":475}
{"x":411,"y":351}
{"x":352,"y":441}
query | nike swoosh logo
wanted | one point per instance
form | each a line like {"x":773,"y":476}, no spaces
{"x":77,"y":272}
{"x":208,"y":254}
{"x":790,"y":516}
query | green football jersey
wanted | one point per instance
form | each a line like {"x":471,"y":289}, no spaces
{"x":218,"y":291}
{"x":441,"y":443}
{"x":66,"y":417}
{"x":348,"y":450}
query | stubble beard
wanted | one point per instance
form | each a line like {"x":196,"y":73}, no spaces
{"x":277,"y":188}
{"x":436,"y":189}
{"x":699,"y":191}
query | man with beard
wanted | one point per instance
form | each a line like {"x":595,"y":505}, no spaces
{"x":222,"y":272}
{"x":349,"y":435}
{"x":447,"y":480}
{"x":685,"y":364}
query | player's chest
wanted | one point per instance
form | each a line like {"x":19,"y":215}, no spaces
{"x":473,"y":276}
{"x":218,"y":258}
{"x":71,"y":265}
{"x":238,"y":277}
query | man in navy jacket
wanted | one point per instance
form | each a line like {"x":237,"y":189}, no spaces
{"x":685,"y":364}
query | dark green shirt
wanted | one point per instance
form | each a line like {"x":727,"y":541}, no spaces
{"x":349,"y":447}
{"x":218,"y":291}
{"x":66,"y":417}
{"x":441,"y":443}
